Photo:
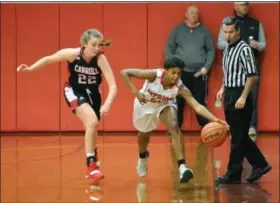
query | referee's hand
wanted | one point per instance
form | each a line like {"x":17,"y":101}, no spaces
{"x":240,"y":103}
{"x":220,"y":94}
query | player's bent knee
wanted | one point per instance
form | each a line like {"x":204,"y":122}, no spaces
{"x":91,"y":123}
{"x":173,"y":127}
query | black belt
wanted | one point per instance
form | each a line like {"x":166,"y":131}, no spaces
{"x":235,"y":90}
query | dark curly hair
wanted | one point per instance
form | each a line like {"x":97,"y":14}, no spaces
{"x":173,"y":62}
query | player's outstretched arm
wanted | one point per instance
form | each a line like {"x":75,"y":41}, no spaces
{"x":137,"y":73}
{"x":199,"y":109}
{"x":110,"y":78}
{"x":59,"y":56}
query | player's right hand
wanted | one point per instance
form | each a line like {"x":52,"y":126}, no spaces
{"x":141,"y":97}
{"x":23,"y":67}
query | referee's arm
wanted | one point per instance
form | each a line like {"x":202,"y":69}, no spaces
{"x":248,"y":61}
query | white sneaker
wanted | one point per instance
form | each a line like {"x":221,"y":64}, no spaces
{"x":252,"y":132}
{"x":185,"y":174}
{"x":142,"y":166}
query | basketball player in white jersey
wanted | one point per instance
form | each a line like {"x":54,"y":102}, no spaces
{"x":156,"y":102}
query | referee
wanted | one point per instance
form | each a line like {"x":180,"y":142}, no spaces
{"x":240,"y":75}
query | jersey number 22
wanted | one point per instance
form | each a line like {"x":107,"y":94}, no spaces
{"x":86,"y":79}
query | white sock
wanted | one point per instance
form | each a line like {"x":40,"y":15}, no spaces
{"x":182,"y":168}
{"x":90,"y":154}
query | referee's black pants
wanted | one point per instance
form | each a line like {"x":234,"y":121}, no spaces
{"x":241,"y":145}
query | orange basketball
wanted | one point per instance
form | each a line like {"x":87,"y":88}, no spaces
{"x":214,"y":134}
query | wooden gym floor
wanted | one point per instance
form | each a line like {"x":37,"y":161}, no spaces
{"x":50,"y":168}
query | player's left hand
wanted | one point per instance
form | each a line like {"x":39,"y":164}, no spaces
{"x":223,"y":123}
{"x":104,"y":110}
{"x":240,"y":103}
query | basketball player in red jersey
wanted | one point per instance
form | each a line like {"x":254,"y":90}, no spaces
{"x":155,"y":102}
{"x":86,"y":65}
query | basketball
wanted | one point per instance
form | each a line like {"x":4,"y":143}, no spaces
{"x":214,"y":134}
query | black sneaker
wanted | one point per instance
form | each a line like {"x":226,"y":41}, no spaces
{"x":225,"y":179}
{"x":257,"y":173}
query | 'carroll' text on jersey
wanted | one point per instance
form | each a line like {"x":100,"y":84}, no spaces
{"x":86,"y":70}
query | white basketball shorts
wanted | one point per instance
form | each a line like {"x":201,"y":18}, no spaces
{"x":146,"y":116}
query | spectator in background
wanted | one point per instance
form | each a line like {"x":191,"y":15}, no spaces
{"x":193,"y":43}
{"x":251,"y":31}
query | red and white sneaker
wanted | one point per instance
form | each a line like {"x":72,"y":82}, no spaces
{"x":93,"y":172}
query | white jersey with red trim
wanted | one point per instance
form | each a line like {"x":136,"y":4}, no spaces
{"x":156,"y":94}
{"x":147,"y":116}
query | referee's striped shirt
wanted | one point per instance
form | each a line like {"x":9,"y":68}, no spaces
{"x":238,"y":64}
